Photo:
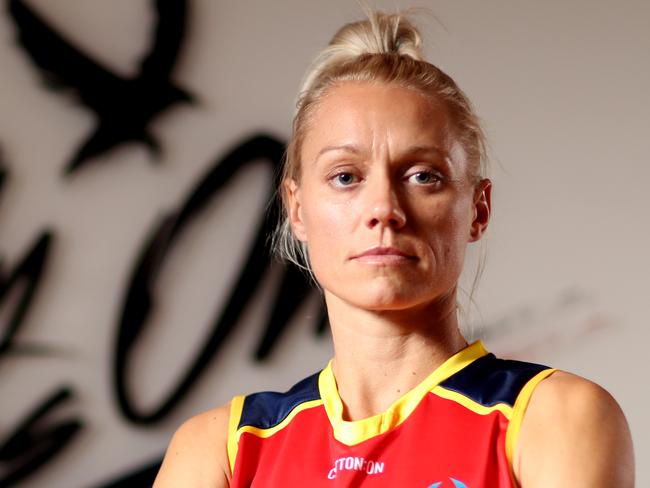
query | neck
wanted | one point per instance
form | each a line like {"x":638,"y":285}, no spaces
{"x":380,"y":355}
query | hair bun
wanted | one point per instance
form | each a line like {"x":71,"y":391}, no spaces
{"x":380,"y":33}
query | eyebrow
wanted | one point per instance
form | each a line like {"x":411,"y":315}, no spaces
{"x":427,"y":149}
{"x":342,"y":147}
{"x":412,"y":150}
{"x":442,"y":154}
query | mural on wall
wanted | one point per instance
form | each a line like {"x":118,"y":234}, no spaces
{"x":3,"y":174}
{"x":34,"y":441}
{"x":530,"y":330}
{"x":123,"y":106}
{"x":139,"y":300}
{"x":17,"y":291}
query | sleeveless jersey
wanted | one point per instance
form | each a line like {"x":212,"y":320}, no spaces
{"x":456,"y":429}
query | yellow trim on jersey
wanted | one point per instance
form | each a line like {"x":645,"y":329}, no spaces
{"x":236,"y":407}
{"x":264,"y":433}
{"x":475,"y":407}
{"x":512,"y":433}
{"x":354,"y":432}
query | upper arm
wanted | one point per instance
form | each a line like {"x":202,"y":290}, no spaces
{"x":573,"y":434}
{"x":197,"y":455}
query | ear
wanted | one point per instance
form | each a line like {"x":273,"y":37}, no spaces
{"x":482,"y":209}
{"x":294,"y":209}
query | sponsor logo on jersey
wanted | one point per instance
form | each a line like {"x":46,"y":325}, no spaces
{"x":352,"y":463}
{"x":457,"y":484}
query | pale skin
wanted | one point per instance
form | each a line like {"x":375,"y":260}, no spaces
{"x":387,"y":206}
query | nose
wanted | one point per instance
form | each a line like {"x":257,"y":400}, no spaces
{"x":384,"y":208}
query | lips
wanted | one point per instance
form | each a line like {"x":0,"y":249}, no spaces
{"x":384,"y":254}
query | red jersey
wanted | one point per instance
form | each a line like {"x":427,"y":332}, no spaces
{"x":456,"y":429}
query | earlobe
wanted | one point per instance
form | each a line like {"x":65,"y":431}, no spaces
{"x":482,"y":209}
{"x":294,"y":209}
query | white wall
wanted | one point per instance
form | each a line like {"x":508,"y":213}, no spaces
{"x":561,"y":86}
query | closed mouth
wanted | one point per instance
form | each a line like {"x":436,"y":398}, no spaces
{"x":381,"y":253}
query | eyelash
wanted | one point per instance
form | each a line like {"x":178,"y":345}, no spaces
{"x":337,"y":182}
{"x":434,"y":178}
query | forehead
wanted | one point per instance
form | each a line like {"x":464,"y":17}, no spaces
{"x":375,"y":115}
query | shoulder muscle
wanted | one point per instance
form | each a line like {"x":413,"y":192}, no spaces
{"x":574,"y":434}
{"x":197,"y":455}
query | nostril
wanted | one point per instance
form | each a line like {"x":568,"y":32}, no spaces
{"x":386,"y":212}
{"x":394,"y":222}
{"x":398,"y":218}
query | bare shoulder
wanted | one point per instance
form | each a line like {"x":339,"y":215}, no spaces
{"x":573,"y":433}
{"x":197,"y":454}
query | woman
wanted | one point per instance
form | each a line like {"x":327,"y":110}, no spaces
{"x":383,"y":189}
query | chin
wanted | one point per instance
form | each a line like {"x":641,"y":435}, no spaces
{"x":380,"y":297}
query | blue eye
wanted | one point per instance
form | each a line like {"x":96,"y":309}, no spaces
{"x":344,"y":179}
{"x":424,"y":178}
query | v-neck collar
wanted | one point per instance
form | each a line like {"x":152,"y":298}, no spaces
{"x":354,"y":432}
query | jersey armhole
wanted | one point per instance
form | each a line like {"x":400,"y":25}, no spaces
{"x":236,"y":408}
{"x":518,"y":410}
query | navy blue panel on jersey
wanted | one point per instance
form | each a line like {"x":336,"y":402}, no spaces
{"x":490,"y":381}
{"x":268,"y":408}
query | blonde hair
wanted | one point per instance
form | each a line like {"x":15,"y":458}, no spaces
{"x":382,"y":48}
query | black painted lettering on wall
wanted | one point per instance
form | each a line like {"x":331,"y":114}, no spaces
{"x":17,"y":290}
{"x":123,"y":106}
{"x":139,"y":299}
{"x":142,"y":476}
{"x":293,"y":290}
{"x":35,"y":441}
{"x":3,"y":176}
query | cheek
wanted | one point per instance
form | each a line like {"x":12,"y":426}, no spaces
{"x":326,"y":226}
{"x":447,"y":226}
{"x":328,"y":233}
